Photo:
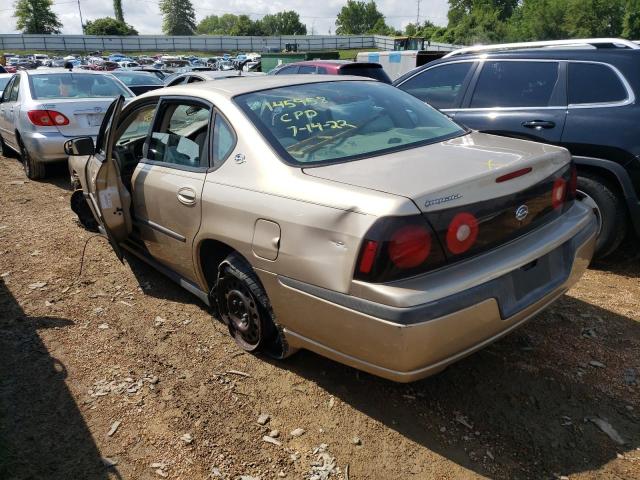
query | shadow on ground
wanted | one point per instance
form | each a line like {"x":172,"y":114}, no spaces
{"x":624,"y":261}
{"x":528,"y":414}
{"x":42,"y":432}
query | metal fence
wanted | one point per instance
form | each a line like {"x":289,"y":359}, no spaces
{"x":201,"y":43}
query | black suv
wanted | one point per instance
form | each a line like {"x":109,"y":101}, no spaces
{"x":584,"y":99}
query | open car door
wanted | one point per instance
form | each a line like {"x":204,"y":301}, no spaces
{"x":109,"y":197}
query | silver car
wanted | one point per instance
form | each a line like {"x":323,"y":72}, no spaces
{"x":203,"y":76}
{"x":41,"y":109}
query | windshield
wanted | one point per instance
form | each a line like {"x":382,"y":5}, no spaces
{"x":75,"y":85}
{"x":135,"y":79}
{"x":320,"y":123}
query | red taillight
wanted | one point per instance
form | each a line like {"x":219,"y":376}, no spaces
{"x":559,"y":192}
{"x":462,"y":233}
{"x":368,"y":256}
{"x":410,"y":246}
{"x":512,"y":175}
{"x":47,"y":118}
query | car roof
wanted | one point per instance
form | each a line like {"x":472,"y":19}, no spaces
{"x":616,"y":56}
{"x":592,"y":54}
{"x":2,"y":75}
{"x":230,"y":87}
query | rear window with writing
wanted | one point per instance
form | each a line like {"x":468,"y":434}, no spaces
{"x":338,"y":121}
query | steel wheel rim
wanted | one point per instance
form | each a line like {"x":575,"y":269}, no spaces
{"x":242,"y":314}
{"x":588,"y":201}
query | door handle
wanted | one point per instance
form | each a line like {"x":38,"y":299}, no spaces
{"x":187,"y":196}
{"x":539,"y":124}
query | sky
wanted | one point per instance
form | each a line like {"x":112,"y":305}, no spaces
{"x":144,"y":15}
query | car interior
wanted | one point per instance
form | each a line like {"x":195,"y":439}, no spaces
{"x":179,"y":138}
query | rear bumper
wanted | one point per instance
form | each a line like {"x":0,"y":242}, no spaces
{"x":45,"y":147}
{"x":412,"y":342}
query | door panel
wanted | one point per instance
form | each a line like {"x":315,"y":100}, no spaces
{"x":167,"y":184}
{"x":4,"y":109}
{"x":167,"y":210}
{"x":10,"y":110}
{"x":107,"y":193}
{"x":518,"y":99}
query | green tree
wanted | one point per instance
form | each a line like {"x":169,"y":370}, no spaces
{"x":539,"y":20}
{"x":480,"y":23}
{"x":108,"y":26}
{"x":594,"y":18}
{"x":631,"y":21}
{"x":426,"y":30}
{"x":228,"y":24}
{"x":459,"y":9}
{"x":36,"y":16}
{"x":359,"y":17}
{"x":117,"y":9}
{"x":282,"y":23}
{"x":178,"y":17}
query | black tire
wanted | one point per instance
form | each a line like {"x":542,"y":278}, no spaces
{"x":33,"y":170}
{"x":610,"y":209}
{"x":244,"y":307}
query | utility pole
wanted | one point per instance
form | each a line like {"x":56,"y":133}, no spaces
{"x":417,"y":14}
{"x":81,"y":22}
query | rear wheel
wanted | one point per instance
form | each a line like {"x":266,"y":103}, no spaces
{"x":607,"y":203}
{"x":33,"y":169}
{"x":244,"y":307}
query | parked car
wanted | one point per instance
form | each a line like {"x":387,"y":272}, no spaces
{"x":137,"y":81}
{"x":157,"y":72}
{"x":201,"y":76}
{"x":334,"y":67}
{"x":41,"y":109}
{"x":336,"y":214}
{"x":580,"y":94}
{"x":4,"y":80}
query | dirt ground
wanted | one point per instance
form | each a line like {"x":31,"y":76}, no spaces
{"x":117,"y":373}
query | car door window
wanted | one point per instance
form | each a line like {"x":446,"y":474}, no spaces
{"x":180,"y":136}
{"x":194,"y":79}
{"x":322,"y":71}
{"x":307,"y":69}
{"x":7,"y":91}
{"x":223,"y":141}
{"x":131,"y":136}
{"x":583,"y":77}
{"x":178,"y":81}
{"x":15,"y":90}
{"x":288,"y":70}
{"x":440,"y":86}
{"x":515,"y":84}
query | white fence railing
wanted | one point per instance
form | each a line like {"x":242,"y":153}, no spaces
{"x":202,"y":43}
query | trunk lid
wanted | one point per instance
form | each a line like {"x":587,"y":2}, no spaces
{"x":453,"y":173}
{"x":85,"y":115}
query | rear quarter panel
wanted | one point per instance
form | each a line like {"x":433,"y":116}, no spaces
{"x":321,"y":222}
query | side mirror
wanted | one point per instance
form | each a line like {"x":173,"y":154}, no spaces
{"x":79,"y":146}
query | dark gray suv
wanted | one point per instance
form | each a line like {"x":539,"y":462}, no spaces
{"x":583,"y":97}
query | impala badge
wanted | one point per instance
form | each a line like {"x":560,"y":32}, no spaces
{"x":521,"y":212}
